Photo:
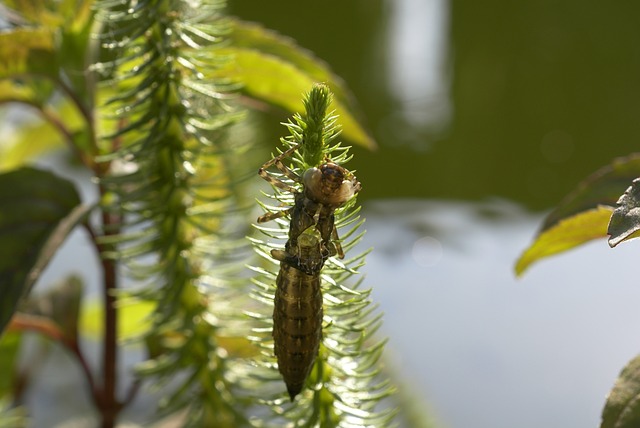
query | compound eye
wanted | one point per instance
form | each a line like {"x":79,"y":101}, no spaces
{"x":332,"y":172}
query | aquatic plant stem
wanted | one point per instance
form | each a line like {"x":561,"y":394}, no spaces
{"x":108,"y":405}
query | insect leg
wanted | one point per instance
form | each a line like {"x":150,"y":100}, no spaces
{"x":336,"y":243}
{"x":273,"y":215}
{"x":277,"y":161}
{"x":274,"y":181}
{"x":326,"y":227}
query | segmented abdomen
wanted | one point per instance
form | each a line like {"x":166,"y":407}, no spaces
{"x":297,"y":324}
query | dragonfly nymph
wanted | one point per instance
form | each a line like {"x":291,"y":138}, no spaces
{"x":297,"y":312}
{"x":312,"y":238}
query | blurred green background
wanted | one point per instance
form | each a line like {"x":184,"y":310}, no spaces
{"x":528,"y":97}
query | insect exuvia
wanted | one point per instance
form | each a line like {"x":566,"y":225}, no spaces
{"x":297,"y":312}
{"x":312,"y":239}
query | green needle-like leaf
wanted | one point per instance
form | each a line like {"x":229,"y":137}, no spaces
{"x":625,"y":221}
{"x":568,"y":233}
{"x":345,"y":385}
{"x":38,"y":210}
{"x":622,"y":409}
{"x":273,"y":69}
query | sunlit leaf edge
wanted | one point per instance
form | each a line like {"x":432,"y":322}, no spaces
{"x":603,"y":187}
{"x":277,"y":62}
{"x":565,"y":235}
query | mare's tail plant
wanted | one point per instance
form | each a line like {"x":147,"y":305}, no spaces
{"x":143,"y":95}
{"x":169,"y":188}
{"x":345,"y":387}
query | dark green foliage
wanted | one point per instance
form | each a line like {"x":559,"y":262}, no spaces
{"x":623,"y":404}
{"x":39,"y":211}
{"x":168,"y":120}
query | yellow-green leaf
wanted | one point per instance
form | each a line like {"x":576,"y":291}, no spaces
{"x":603,"y":187}
{"x":9,"y":348}
{"x":27,"y":51}
{"x":566,"y":234}
{"x":38,"y":137}
{"x":39,"y":12}
{"x":133,"y":318}
{"x":274,"y":70}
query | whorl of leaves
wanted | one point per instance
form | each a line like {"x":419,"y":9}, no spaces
{"x":170,"y":185}
{"x":345,"y":387}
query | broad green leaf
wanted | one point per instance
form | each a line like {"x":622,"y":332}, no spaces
{"x":27,"y":52}
{"x":622,"y":409}
{"x":37,"y":211}
{"x":568,"y":233}
{"x":9,"y":347}
{"x":625,"y":221}
{"x":273,"y":69}
{"x":603,"y":187}
{"x":11,"y":91}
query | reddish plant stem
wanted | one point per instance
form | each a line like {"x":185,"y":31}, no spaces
{"x":48,"y":328}
{"x":109,"y":405}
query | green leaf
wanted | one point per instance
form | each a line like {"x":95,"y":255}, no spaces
{"x":28,"y":51}
{"x":39,"y":137}
{"x":603,"y":187}
{"x":273,"y":69}
{"x":9,"y":347}
{"x":625,"y":221}
{"x":11,"y":91}
{"x":37,"y":211}
{"x":568,"y":233}
{"x":39,"y":12}
{"x":622,"y":409}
